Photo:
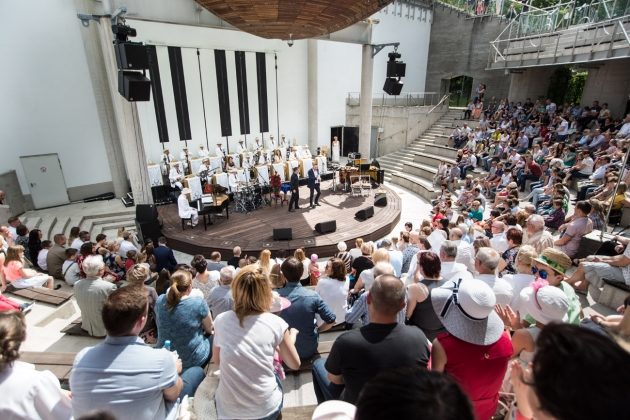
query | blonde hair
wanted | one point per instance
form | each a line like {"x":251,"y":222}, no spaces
{"x":137,"y":274}
{"x":13,"y":254}
{"x":265,"y":260}
{"x":251,"y":292}
{"x":181,"y":280}
{"x":366,"y":248}
{"x":380,"y":255}
{"x":276,"y":278}
{"x":358,"y":242}
{"x":526,"y":255}
{"x":299,"y":254}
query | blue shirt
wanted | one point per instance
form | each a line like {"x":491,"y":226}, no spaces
{"x":305,"y":303}
{"x":183,"y":326}
{"x":125,"y":377}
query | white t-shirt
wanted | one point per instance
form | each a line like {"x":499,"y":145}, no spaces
{"x":71,"y":272}
{"x":248,"y":388}
{"x":31,"y":394}
{"x":588,"y":163}
{"x":41,"y":259}
{"x":306,"y":263}
{"x":76,"y":244}
{"x":334,"y":294}
{"x":126,"y":246}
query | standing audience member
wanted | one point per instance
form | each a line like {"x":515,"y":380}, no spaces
{"x":164,"y":256}
{"x":34,"y":246}
{"x":235,"y":258}
{"x":246,"y":340}
{"x":305,"y":304}
{"x":91,"y":294}
{"x":359,"y":355}
{"x":27,"y":393}
{"x":124,"y":376}
{"x":475,"y":350}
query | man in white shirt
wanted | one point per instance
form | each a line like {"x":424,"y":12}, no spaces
{"x":624,"y":131}
{"x":465,"y":251}
{"x":176,"y":176}
{"x":13,"y":222}
{"x":184,"y":209}
{"x":84,"y":237}
{"x":451,"y":269}
{"x":498,"y":241}
{"x":562,"y":132}
{"x":126,"y":245}
{"x":202,"y":152}
{"x":486,"y":263}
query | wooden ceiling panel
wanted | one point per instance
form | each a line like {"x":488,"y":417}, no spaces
{"x":298,"y":19}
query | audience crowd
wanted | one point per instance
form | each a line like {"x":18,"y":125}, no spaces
{"x":471,"y":313}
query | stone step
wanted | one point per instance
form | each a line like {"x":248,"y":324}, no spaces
{"x":420,"y":170}
{"x":61,"y":226}
{"x":441,"y":151}
{"x":612,"y":297}
{"x":415,"y":184}
{"x":431,"y":160}
{"x":95,"y":225}
{"x":73,"y":221}
{"x":108,"y":228}
{"x":32,"y":222}
{"x":47,"y":226}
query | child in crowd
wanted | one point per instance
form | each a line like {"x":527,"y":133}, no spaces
{"x":70,"y":268}
{"x":43,"y":254}
{"x":132,"y":258}
{"x":313,"y":270}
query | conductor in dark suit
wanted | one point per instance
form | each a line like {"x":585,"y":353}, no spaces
{"x":164,"y":256}
{"x":295,"y":190}
{"x":313,"y":184}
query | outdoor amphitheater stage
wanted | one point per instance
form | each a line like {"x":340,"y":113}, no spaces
{"x":254,"y":231}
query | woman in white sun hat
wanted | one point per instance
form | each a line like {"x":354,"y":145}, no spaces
{"x":475,"y":350}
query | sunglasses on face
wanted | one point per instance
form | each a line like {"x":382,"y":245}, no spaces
{"x":543,"y":274}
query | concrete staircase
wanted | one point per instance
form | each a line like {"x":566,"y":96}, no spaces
{"x":415,"y":166}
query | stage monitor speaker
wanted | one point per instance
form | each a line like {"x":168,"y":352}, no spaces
{"x":380,"y":200}
{"x":392,"y":86}
{"x":134,"y":86}
{"x":283,"y":234}
{"x":365,"y":213}
{"x":131,"y":56}
{"x":146,"y":213}
{"x":148,"y":230}
{"x":396,"y":69}
{"x":326,"y":227}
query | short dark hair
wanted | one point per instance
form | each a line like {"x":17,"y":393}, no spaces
{"x":422,"y":240}
{"x":123,"y":308}
{"x":199,"y":263}
{"x":292,"y":269}
{"x":444,"y":223}
{"x":562,"y":350}
{"x":215,"y":255}
{"x":46,"y":244}
{"x":413,"y":393}
{"x":409,"y":225}
{"x":430,"y":263}
{"x":21,"y":230}
{"x":515,"y":234}
{"x":70,"y":252}
{"x":100,"y":237}
{"x":87,"y":248}
{"x":84,"y":235}
{"x":387,"y":294}
{"x":161,"y":240}
{"x":584,"y":206}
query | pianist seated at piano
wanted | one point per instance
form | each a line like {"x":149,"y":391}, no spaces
{"x":176,"y":175}
{"x":184,"y":209}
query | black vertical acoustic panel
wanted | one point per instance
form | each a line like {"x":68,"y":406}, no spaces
{"x":261,"y":77}
{"x":241,"y":86}
{"x":158,"y":98}
{"x":179,"y":92}
{"x":224,"y":94}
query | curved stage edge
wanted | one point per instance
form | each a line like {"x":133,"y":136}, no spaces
{"x":254,"y":231}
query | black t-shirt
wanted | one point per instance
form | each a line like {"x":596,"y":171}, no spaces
{"x":362,"y":263}
{"x":361,"y":354}
{"x":233,"y":261}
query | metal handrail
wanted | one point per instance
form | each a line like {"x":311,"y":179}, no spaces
{"x":440,"y":103}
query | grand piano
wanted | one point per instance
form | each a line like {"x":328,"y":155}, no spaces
{"x":212,"y":205}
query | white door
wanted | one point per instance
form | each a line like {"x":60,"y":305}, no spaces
{"x":45,"y":180}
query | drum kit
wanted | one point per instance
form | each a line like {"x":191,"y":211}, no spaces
{"x":249,"y":197}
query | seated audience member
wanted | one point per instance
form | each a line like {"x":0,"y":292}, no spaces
{"x":551,"y":265}
{"x":123,"y":375}
{"x":27,"y":393}
{"x":507,"y":262}
{"x":204,"y":279}
{"x":220,"y":298}
{"x":419,"y":307}
{"x":164,"y":256}
{"x":57,"y":256}
{"x":14,"y":272}
{"x":333,"y":289}
{"x":465,"y":250}
{"x":305,"y":304}
{"x":70,"y":268}
{"x":451,"y":269}
{"x":91,"y":293}
{"x":536,"y":235}
{"x":356,"y":252}
{"x":344,"y":255}
{"x":410,"y":251}
{"x":185,"y":321}
{"x":235,"y":258}
{"x":572,"y":232}
{"x":556,"y":217}
{"x":367,"y":276}
{"x":413,"y":393}
{"x":83,"y":237}
{"x":561,"y":351}
{"x":127,"y":244}
{"x":594,"y":269}
{"x":498,"y":240}
{"x":86,"y":250}
{"x":395,"y":256}
{"x":43,"y":254}
{"x":137,"y":276}
{"x":215,"y":263}
{"x":523,"y":276}
{"x":475,"y":350}
{"x":359,"y":355}
{"x":22,"y":240}
{"x":265,"y":262}
{"x":305,"y":279}
{"x":246,"y":339}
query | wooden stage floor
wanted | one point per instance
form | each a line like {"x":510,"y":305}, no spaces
{"x":254,"y":231}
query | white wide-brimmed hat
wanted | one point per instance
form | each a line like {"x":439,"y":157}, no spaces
{"x":545,"y":303}
{"x":466,"y":309}
{"x":334,"y":410}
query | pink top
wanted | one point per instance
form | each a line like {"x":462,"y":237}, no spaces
{"x":479,"y":370}
{"x":12,"y":271}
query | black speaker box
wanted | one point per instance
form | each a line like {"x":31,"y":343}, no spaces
{"x":131,"y":56}
{"x":134,"y":86}
{"x":148,"y":230}
{"x":380,"y":200}
{"x":284,"y":234}
{"x":146,"y":213}
{"x":365,"y":213}
{"x":326,"y":227}
{"x":396,"y":69}
{"x":392,"y":86}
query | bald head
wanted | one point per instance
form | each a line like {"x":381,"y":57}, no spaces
{"x":387,"y":296}
{"x":413,"y":237}
{"x":237,"y":251}
{"x":455,"y":234}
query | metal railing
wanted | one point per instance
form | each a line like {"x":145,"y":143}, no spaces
{"x":405,"y":99}
{"x":502,"y":8}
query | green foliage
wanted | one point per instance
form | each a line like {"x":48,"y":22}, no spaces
{"x":559,"y":83}
{"x":576,"y":86}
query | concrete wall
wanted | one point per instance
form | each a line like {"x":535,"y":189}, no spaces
{"x":531,"y":83}
{"x":460,"y":46}
{"x":609,"y":83}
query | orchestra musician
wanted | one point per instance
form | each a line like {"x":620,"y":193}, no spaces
{"x":228,"y":163}
{"x":335,"y":150}
{"x":165,"y":159}
{"x":183,"y":156}
{"x":204,"y":170}
{"x":271,"y":144}
{"x":218,"y":151}
{"x":176,"y":176}
{"x":202,"y":152}
{"x":314,"y":179}
{"x":258,"y":145}
{"x":240,"y":148}
{"x":277,"y":156}
{"x":295,"y":190}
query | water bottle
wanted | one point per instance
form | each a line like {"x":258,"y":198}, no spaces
{"x":167,"y":345}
